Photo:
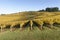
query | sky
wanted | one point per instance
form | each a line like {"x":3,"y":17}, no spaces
{"x":13,"y":6}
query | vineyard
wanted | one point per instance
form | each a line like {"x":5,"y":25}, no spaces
{"x":30,"y":26}
{"x":22,"y":19}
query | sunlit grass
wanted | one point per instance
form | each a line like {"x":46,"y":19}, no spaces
{"x":26,"y":34}
{"x":36,"y":34}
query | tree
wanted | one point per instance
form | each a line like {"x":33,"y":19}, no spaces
{"x":53,"y":9}
{"x":41,"y":10}
{"x":49,"y":9}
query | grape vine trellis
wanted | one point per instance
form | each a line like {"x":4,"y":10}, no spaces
{"x":31,"y":20}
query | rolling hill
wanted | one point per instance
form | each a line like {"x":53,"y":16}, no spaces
{"x":22,"y":18}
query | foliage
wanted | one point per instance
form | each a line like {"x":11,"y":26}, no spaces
{"x":50,"y":9}
{"x":54,"y":9}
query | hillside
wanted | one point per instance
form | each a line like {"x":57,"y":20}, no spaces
{"x":22,"y":18}
{"x":24,"y":26}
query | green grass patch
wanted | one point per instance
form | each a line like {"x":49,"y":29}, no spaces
{"x":36,"y":34}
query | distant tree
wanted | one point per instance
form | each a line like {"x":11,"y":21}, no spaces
{"x":41,"y":10}
{"x":54,"y":9}
{"x":49,"y":9}
{"x":3,"y":14}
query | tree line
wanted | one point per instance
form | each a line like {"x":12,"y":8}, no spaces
{"x":50,"y":9}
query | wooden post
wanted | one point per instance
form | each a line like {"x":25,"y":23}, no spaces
{"x":11,"y":28}
{"x":31,"y":25}
{"x":41,"y":27}
{"x":21,"y":26}
{"x":1,"y":28}
{"x":51,"y":26}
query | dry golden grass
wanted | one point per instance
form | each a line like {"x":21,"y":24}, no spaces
{"x":23,"y":17}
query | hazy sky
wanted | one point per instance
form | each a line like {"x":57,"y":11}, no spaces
{"x":12,"y":6}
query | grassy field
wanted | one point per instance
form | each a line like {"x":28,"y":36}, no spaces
{"x":36,"y":34}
